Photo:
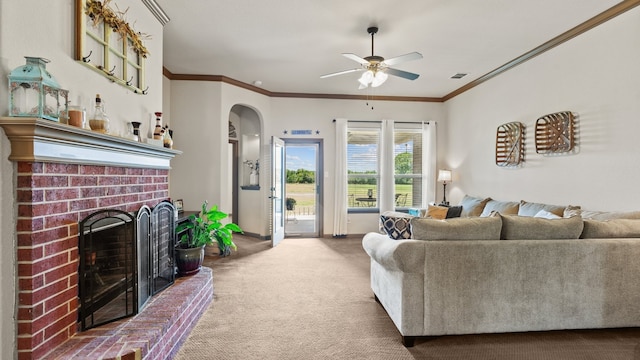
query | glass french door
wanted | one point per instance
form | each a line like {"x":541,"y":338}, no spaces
{"x":277,"y":190}
{"x":303,"y":199}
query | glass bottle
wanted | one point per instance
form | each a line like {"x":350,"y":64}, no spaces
{"x":99,"y":122}
{"x":77,"y":116}
{"x":136,"y":130}
{"x":167,"y":140}
{"x":157,"y":132}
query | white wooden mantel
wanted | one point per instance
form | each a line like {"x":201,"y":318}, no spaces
{"x":41,"y":140}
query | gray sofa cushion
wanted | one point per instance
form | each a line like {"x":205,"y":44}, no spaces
{"x":503,"y":207}
{"x":476,"y":228}
{"x":472,"y":206}
{"x":531,"y":209}
{"x":609,"y":215}
{"x":616,"y":228}
{"x":529,"y":228}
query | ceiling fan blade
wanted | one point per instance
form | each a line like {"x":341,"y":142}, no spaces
{"x":402,"y":58}
{"x":401,"y":73}
{"x":355,"y":58}
{"x":340,"y":73}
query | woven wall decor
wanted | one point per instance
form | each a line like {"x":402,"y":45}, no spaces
{"x":555,"y":133}
{"x":510,"y":144}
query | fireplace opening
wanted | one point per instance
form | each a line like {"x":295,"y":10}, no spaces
{"x":124,"y":260}
{"x":107,"y":281}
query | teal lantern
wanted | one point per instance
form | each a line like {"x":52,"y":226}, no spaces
{"x":33,"y":92}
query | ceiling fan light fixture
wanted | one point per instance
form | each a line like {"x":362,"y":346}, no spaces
{"x":366,"y":79}
{"x":379,"y":78}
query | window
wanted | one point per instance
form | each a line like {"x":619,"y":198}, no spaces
{"x":407,"y":160}
{"x":400,"y":179}
{"x":363,"y":174}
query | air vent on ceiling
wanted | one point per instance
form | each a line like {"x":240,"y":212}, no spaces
{"x":459,"y":76}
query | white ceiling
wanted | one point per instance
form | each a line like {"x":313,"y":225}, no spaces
{"x":288,"y":44}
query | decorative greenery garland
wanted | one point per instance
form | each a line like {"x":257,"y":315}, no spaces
{"x":98,"y":12}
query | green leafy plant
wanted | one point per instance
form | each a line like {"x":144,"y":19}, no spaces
{"x":291,"y":203}
{"x":206,"y":228}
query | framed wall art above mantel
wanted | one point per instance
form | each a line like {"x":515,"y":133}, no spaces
{"x":107,"y":44}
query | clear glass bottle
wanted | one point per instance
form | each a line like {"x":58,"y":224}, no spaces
{"x":99,"y":122}
{"x":77,"y":116}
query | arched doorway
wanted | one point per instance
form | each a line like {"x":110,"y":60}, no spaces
{"x":244,"y":192}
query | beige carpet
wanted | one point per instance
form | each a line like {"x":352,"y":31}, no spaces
{"x":310,"y":299}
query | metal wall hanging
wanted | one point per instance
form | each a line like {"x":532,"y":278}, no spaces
{"x":555,"y":133}
{"x":510,"y":144}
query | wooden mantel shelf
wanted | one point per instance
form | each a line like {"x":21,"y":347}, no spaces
{"x":35,"y":139}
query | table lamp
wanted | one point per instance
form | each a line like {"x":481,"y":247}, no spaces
{"x":444,"y":176}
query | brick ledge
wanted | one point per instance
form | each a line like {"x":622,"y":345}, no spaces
{"x":156,"y":333}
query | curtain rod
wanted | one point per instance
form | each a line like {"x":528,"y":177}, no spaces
{"x":379,"y":121}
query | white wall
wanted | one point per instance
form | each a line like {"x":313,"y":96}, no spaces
{"x":200,"y":112}
{"x":30,"y":28}
{"x":318,"y":114}
{"x":595,"y":75}
{"x":204,"y":109}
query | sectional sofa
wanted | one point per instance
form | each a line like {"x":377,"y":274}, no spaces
{"x":508,"y":272}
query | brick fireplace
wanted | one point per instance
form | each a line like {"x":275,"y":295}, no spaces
{"x":64,"y":174}
{"x":52,"y":199}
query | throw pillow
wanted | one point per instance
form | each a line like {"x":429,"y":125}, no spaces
{"x":503,"y":207}
{"x":572,"y":210}
{"x":546,"y":215}
{"x":531,"y":209}
{"x":616,"y":228}
{"x":477,"y":228}
{"x":516,"y":227}
{"x":454,"y":212}
{"x":396,"y":226}
{"x":437,"y":212}
{"x":472,"y":206}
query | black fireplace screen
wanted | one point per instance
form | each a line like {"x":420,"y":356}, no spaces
{"x":107,"y":284}
{"x":124,"y":260}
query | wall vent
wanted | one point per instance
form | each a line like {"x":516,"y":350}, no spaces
{"x":459,"y":76}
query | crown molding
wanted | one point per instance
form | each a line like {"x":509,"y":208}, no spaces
{"x":221,"y":78}
{"x":599,"y":19}
{"x":157,"y":11}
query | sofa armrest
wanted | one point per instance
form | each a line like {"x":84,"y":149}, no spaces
{"x":399,"y":255}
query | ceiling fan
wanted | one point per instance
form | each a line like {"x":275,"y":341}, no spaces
{"x":376,"y":68}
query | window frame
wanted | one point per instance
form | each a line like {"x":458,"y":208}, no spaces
{"x":366,"y":126}
{"x":406,"y":127}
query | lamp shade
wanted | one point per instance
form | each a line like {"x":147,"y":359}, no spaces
{"x":444,"y":175}
{"x":379,"y":78}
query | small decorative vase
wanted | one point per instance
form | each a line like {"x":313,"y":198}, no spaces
{"x":157,"y":132}
{"x":189,"y":260}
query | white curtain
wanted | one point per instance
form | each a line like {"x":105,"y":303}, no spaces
{"x":340,"y":193}
{"x":386,"y":196}
{"x":429,"y":163}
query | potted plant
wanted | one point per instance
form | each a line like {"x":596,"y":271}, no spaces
{"x":204,"y":228}
{"x":291,"y":203}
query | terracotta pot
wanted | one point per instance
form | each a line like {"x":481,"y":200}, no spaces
{"x":189,"y":260}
